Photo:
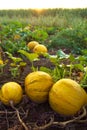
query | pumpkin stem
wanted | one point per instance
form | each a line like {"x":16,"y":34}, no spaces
{"x":45,"y":126}
{"x":64,"y":123}
{"x":19,"y":118}
{"x":76,"y":119}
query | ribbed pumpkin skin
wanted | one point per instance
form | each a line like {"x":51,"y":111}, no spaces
{"x":37,"y":86}
{"x":32,"y":44}
{"x":66,"y":97}
{"x":11,"y":91}
{"x":40,"y":49}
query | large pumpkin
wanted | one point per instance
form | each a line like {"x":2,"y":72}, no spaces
{"x":66,"y":97}
{"x":37,"y":86}
{"x":11,"y":91}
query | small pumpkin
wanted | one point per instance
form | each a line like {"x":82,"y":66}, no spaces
{"x":1,"y":62}
{"x":67,"y":97}
{"x":11,"y":91}
{"x":37,"y":86}
{"x":40,"y":49}
{"x":32,"y":44}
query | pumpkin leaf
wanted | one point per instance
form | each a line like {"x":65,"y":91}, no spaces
{"x":31,"y":56}
{"x":15,"y":59}
{"x":61,"y":54}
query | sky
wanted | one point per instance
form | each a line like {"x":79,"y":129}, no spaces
{"x":39,"y":4}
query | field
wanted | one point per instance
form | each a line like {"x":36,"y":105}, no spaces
{"x":64,"y":33}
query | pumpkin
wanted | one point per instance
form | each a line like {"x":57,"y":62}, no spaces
{"x":11,"y":91}
{"x":1,"y":62}
{"x":67,"y":97}
{"x":40,"y":49}
{"x":17,"y":37}
{"x":32,"y":44}
{"x":37,"y":86}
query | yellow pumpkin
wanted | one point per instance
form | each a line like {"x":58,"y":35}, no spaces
{"x":37,"y":86}
{"x":1,"y":62}
{"x":17,"y":37}
{"x":11,"y":91}
{"x":32,"y":44}
{"x":40,"y":49}
{"x":66,"y":97}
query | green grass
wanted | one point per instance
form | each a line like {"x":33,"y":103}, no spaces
{"x":53,"y":27}
{"x":47,"y":17}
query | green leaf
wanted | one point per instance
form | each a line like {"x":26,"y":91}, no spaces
{"x":72,"y":58}
{"x":61,"y":54}
{"x":53,"y":58}
{"x":15,"y":59}
{"x":45,"y":69}
{"x":31,"y":56}
{"x":79,"y":66}
{"x":82,"y":58}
